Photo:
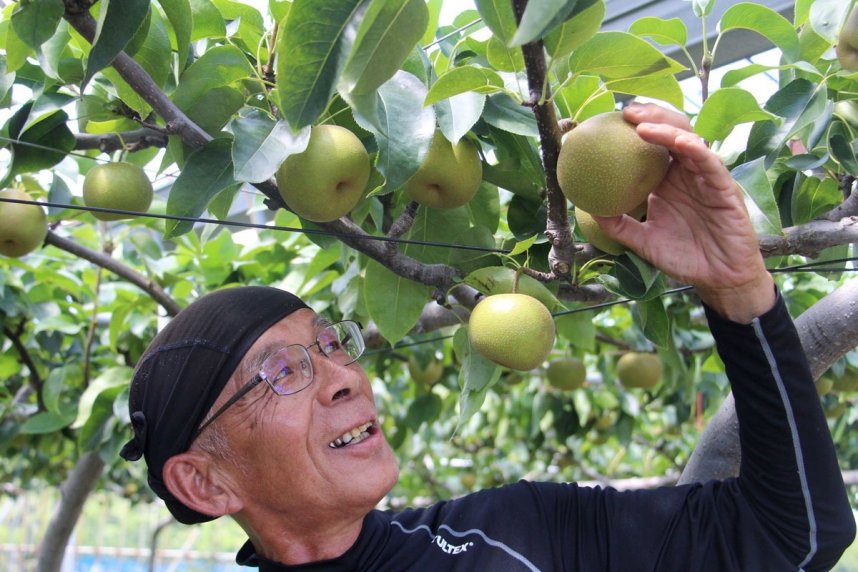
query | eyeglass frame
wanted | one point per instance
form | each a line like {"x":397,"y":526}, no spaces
{"x":258,"y":378}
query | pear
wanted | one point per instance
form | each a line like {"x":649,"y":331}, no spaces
{"x":847,"y":42}
{"x":119,"y":185}
{"x":327,"y":179}
{"x":449,"y":176}
{"x":639,"y":369}
{"x":513,"y":330}
{"x":23,"y":227}
{"x":566,"y":373}
{"x":606,"y":169}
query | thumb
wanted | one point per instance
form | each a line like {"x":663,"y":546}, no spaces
{"x":623,"y":228}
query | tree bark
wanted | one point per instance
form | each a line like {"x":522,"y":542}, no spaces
{"x":73,"y":495}
{"x":827,"y":330}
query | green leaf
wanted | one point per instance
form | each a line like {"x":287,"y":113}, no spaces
{"x":424,"y":409}
{"x":502,"y":58}
{"x":208,"y":171}
{"x":45,"y":141}
{"x":725,"y":109}
{"x":110,"y":378}
{"x":435,"y":225}
{"x":458,"y":114}
{"x":701,"y":8}
{"x":670,"y":32}
{"x":402,"y":127}
{"x":261,"y":144}
{"x":840,"y":144}
{"x":181,"y":24}
{"x":504,"y":113}
{"x":46,"y":422}
{"x":463,"y":79}
{"x":309,"y":55}
{"x":813,"y":198}
{"x":663,"y":87}
{"x":826,"y":17}
{"x":633,"y":278}
{"x":759,"y":196}
{"x":388,"y":32}
{"x":207,"y":21}
{"x":499,"y":17}
{"x":764,"y":21}
{"x":17,"y":51}
{"x":434,"y":7}
{"x":118,"y":21}
{"x":394,"y":303}
{"x":578,"y":328}
{"x":476,"y":375}
{"x":799,"y":103}
{"x":218,"y":67}
{"x":655,"y":321}
{"x":584,"y":97}
{"x":37,"y":20}
{"x":279,"y":9}
{"x":539,"y":18}
{"x":563,"y":40}
{"x":620,"y":55}
{"x":499,"y":280}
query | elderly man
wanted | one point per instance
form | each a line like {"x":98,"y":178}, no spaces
{"x":248,"y":404}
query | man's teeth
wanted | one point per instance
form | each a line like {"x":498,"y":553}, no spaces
{"x":356,"y":435}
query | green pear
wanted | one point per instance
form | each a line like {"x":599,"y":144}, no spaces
{"x":425,"y":372}
{"x":639,"y":369}
{"x":449,"y":176}
{"x":593,"y":233}
{"x":606,"y":169}
{"x":119,"y":185}
{"x":566,"y":373}
{"x":22,"y":227}
{"x":328,"y":178}
{"x":847,"y":42}
{"x":513,"y":330}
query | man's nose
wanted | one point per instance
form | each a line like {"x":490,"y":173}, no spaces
{"x":336,"y":381}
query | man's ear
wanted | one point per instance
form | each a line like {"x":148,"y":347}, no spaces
{"x":197,"y":483}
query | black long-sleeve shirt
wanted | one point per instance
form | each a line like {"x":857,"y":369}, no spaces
{"x":787,"y":509}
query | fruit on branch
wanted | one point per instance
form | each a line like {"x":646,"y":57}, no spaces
{"x":425,"y":372}
{"x":513,"y":330}
{"x":118,"y":185}
{"x":606,"y":169}
{"x":594,"y":234}
{"x":449,"y":176}
{"x":328,"y":178}
{"x":847,"y":42}
{"x":639,"y":369}
{"x":824,"y":385}
{"x":566,"y":373}
{"x":22,"y":227}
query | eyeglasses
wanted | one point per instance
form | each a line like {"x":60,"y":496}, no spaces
{"x":290,"y":369}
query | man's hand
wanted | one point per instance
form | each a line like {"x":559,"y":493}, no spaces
{"x":697,"y":229}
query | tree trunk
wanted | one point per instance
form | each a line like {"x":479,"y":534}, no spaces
{"x":73,"y":495}
{"x":827,"y":330}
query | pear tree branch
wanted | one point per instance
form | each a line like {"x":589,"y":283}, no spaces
{"x":561,"y":256}
{"x":135,"y":140}
{"x":109,"y":263}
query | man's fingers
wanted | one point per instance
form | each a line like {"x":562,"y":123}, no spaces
{"x":651,"y":113}
{"x":690,"y":150}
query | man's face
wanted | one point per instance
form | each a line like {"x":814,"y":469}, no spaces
{"x":291,"y":464}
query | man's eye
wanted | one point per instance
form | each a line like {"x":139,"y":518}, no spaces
{"x":329,"y":343}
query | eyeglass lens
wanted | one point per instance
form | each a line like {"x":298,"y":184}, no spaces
{"x":290,"y":370}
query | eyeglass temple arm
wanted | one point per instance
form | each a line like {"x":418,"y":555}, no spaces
{"x":238,"y":395}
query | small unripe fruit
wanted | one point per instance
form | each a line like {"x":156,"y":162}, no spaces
{"x":449,"y":176}
{"x":122,"y":186}
{"x":566,"y":373}
{"x":513,"y":330}
{"x":425,"y":373}
{"x":23,"y":227}
{"x":639,"y":370}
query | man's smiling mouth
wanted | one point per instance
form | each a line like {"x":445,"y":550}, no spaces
{"x":352,"y":437}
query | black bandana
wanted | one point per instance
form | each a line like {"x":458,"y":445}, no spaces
{"x":185,"y":368}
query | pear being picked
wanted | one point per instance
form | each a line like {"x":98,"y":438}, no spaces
{"x":606,"y":169}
